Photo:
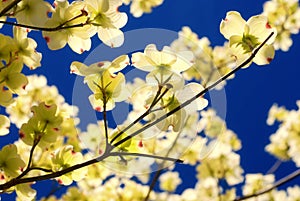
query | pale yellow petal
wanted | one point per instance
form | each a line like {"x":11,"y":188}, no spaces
{"x":4,"y":125}
{"x":111,"y":37}
{"x":119,"y":63}
{"x":79,"y":45}
{"x":233,"y":24}
{"x":260,"y":28}
{"x":265,"y":55}
{"x":140,"y":61}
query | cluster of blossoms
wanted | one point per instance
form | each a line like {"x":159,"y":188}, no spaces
{"x":244,"y":37}
{"x":210,"y":63}
{"x":284,"y":15}
{"x":138,"y":7}
{"x":15,"y":52}
{"x":71,"y":23}
{"x":75,"y":23}
{"x":285,"y":141}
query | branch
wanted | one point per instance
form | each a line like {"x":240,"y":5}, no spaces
{"x":15,"y":181}
{"x":146,"y":155}
{"x":280,"y":182}
{"x":210,"y":87}
{"x":147,"y":112}
{"x":107,"y":153}
{"x":49,"y":29}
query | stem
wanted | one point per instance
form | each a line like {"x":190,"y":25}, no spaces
{"x":274,"y":167}
{"x":153,"y":182}
{"x":154,"y":102}
{"x":105,"y":115}
{"x":28,"y":168}
{"x":280,"y":182}
{"x":10,"y":6}
{"x":146,"y":155}
{"x":49,"y":29}
{"x":40,"y":168}
{"x":161,"y":165}
{"x":213,"y":85}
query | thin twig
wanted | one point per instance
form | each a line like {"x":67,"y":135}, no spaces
{"x":154,"y":102}
{"x":161,"y":165}
{"x":274,"y":167}
{"x":146,"y":155}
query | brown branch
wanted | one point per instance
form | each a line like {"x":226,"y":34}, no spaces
{"x":15,"y":181}
{"x":49,"y":29}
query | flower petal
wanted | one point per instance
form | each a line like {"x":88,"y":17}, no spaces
{"x":4,"y":125}
{"x":111,"y":37}
{"x":140,"y":61}
{"x":233,"y":24}
{"x":265,"y":55}
{"x":260,"y":28}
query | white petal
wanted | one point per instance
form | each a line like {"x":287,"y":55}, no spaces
{"x":111,"y":37}
{"x":265,"y":55}
{"x":119,"y":63}
{"x":55,"y":40}
{"x":189,"y":91}
{"x":260,"y":28}
{"x":140,"y":61}
{"x":4,"y":125}
{"x":233,"y":24}
{"x":79,"y":45}
{"x":185,"y":60}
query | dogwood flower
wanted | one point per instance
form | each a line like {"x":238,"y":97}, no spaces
{"x":13,"y":78}
{"x":42,"y":127}
{"x":106,"y":86}
{"x":10,"y":162}
{"x":8,"y":47}
{"x":4,"y":125}
{"x":66,"y":14}
{"x":166,"y":59}
{"x":108,"y":20}
{"x":26,"y":48}
{"x":32,"y":12}
{"x":244,"y":37}
{"x":64,"y":158}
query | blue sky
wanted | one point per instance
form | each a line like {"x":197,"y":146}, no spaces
{"x":249,"y":95}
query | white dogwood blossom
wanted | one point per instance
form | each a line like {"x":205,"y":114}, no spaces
{"x":245,"y":36}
